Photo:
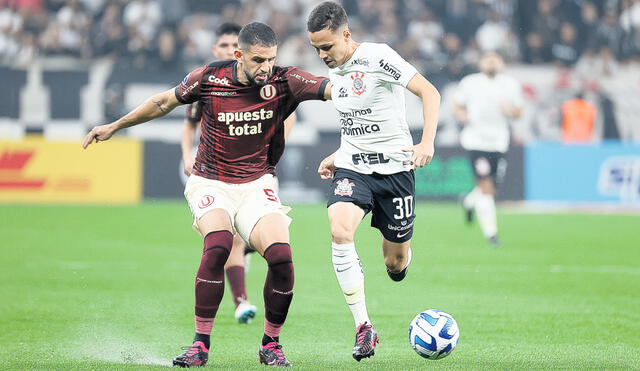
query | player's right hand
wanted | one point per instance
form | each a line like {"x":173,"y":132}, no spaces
{"x":326,"y":168}
{"x":98,"y":133}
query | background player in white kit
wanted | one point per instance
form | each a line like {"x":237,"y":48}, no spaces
{"x":484,"y":103}
{"x":373,"y":168}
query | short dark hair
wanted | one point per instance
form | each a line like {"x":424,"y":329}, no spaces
{"x":228,"y":29}
{"x":257,"y":33}
{"x":327,"y":15}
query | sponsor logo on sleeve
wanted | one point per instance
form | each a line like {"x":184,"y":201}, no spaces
{"x":188,"y":89}
{"x":303,"y":79}
{"x":390,"y":69}
{"x":342,"y":93}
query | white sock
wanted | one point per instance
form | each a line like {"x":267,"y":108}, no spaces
{"x":359,"y":312}
{"x":486,"y":211}
{"x":348,"y":269}
{"x":469,"y":201}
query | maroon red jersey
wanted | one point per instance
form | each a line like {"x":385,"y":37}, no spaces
{"x":242,"y":127}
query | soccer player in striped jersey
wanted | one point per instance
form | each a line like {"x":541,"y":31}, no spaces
{"x":232,"y":186}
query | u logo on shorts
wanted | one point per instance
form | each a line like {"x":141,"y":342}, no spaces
{"x":205,"y":201}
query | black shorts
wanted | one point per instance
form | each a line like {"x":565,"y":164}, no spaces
{"x":488,"y":165}
{"x":390,"y":198}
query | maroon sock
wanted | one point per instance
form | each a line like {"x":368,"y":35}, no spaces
{"x":278,"y":287}
{"x":235,"y":275}
{"x":210,"y":276}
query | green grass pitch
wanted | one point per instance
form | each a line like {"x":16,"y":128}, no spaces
{"x":112,"y":288}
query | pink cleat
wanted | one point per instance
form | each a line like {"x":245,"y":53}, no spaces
{"x":366,"y":341}
{"x":196,"y":355}
{"x":272,"y":355}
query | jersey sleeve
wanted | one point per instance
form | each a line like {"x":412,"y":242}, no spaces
{"x":392,"y":68}
{"x":188,"y":91}
{"x":306,"y":86}
{"x":194,"y":112}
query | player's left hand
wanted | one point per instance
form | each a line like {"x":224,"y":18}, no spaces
{"x":98,"y":133}
{"x":422,"y":153}
{"x":327,"y":167}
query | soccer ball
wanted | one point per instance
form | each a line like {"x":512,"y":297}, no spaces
{"x":433,"y":334}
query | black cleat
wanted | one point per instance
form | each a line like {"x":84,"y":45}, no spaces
{"x":468,"y":212}
{"x":494,"y":241}
{"x":468,"y":215}
{"x":398,"y":276}
{"x":366,"y":341}
{"x":196,"y":355}
{"x":272,"y":355}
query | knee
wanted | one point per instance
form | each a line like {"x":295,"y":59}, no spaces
{"x":341,"y":234}
{"x":217,"y":246}
{"x":278,"y":257}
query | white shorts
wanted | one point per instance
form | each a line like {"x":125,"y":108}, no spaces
{"x":245,"y":203}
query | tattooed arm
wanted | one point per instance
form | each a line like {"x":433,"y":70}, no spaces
{"x":154,"y":107}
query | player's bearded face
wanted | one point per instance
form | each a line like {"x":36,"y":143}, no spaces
{"x":332,"y":46}
{"x":257,"y":63}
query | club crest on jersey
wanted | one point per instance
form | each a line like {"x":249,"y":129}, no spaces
{"x":205,"y":201}
{"x":268,"y":92}
{"x":344,"y":188}
{"x":358,"y":83}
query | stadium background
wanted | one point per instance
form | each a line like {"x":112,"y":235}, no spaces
{"x":66,"y":66}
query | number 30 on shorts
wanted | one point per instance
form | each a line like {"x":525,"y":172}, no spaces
{"x":271,"y":194}
{"x":404,"y":207}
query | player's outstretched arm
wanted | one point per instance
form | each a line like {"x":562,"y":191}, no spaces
{"x":423,"y":151}
{"x":154,"y":107}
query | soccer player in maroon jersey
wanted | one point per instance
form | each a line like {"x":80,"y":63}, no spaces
{"x":232,"y":187}
{"x":222,"y":50}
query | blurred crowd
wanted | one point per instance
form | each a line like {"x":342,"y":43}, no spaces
{"x":442,"y":37}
